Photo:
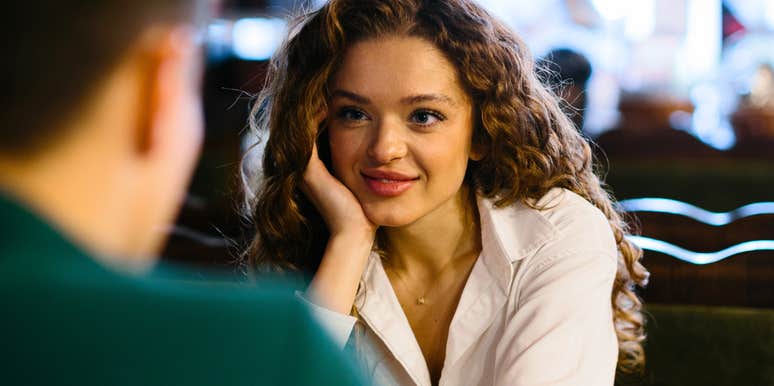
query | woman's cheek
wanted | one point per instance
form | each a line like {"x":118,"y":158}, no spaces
{"x":341,"y":152}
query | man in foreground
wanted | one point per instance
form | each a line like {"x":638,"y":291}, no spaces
{"x":100,"y":129}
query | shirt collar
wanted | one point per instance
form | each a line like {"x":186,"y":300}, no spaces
{"x":510,"y":233}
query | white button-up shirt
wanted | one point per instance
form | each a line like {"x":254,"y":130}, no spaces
{"x":536,"y":308}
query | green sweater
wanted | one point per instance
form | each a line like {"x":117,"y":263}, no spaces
{"x":67,"y":320}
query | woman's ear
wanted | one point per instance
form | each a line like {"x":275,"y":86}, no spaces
{"x":479,"y":147}
{"x":477,"y":154}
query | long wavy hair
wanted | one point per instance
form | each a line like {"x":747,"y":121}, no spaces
{"x":531,"y":146}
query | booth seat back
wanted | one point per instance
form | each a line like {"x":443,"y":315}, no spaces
{"x":695,"y":345}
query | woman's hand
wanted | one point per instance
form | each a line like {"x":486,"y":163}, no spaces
{"x":351,"y":237}
{"x":340,"y":209}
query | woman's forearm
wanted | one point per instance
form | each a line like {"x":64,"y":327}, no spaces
{"x":334,"y":286}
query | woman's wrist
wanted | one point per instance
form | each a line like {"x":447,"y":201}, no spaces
{"x":354,"y":236}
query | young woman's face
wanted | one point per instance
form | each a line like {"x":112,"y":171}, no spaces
{"x":400,"y":128}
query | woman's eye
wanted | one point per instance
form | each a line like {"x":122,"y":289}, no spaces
{"x":352,"y":114}
{"x":426,"y":117}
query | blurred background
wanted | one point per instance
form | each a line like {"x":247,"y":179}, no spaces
{"x":677,"y":95}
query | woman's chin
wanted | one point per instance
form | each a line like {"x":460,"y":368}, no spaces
{"x":389,"y":217}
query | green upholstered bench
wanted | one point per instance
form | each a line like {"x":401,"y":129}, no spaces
{"x":698,"y":345}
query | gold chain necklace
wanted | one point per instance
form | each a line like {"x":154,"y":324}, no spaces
{"x":421,"y":300}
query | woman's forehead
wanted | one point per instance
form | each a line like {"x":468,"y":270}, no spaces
{"x":397,"y":67}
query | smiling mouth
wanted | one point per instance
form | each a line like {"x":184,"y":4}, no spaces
{"x":386,"y":185}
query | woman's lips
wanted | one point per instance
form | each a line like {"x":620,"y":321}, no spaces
{"x":388,"y":184}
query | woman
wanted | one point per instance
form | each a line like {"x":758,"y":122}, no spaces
{"x":432,"y":188}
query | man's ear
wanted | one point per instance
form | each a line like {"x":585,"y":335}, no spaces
{"x":170,"y":64}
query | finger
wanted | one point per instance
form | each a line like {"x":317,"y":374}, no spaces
{"x":312,"y":174}
{"x":315,"y":155}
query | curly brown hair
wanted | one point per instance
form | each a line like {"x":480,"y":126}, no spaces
{"x":531,"y":145}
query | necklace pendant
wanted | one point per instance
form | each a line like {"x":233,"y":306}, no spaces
{"x":421,"y":300}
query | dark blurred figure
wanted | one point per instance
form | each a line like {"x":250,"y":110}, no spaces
{"x":567,"y":72}
{"x":101,"y":127}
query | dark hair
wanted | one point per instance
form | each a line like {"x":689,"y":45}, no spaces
{"x":57,"y":53}
{"x":531,"y":145}
{"x":567,"y":65}
{"x":567,"y":72}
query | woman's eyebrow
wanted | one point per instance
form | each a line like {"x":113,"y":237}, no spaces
{"x":350,"y":95}
{"x":409,"y":100}
{"x":414,"y":99}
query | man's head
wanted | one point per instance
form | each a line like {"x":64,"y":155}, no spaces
{"x":101,"y":117}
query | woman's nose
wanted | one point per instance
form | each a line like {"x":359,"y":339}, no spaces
{"x":388,"y":142}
